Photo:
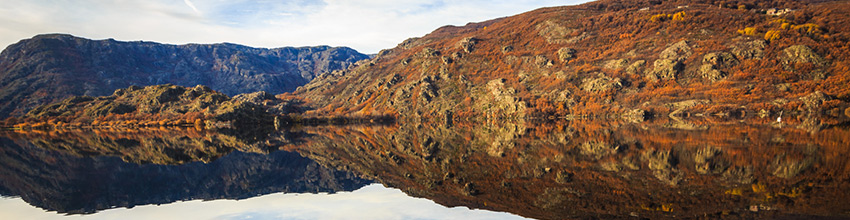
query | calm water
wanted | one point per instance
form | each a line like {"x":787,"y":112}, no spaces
{"x":570,"y":169}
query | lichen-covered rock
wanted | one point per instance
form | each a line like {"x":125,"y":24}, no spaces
{"x":749,"y":50}
{"x":428,"y":52}
{"x":553,"y":32}
{"x":720,"y":59}
{"x":541,"y":61}
{"x":504,"y":100}
{"x":507,"y":48}
{"x":677,"y":52}
{"x":616,"y":64}
{"x":467,"y":44}
{"x":801,"y":54}
{"x":708,"y":72}
{"x":814,"y":100}
{"x":566,"y":54}
{"x":635,"y":67}
{"x":254,"y":97}
{"x":664,"y":69}
{"x":601,"y":83}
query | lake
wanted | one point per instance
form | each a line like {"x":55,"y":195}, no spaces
{"x":487,"y":170}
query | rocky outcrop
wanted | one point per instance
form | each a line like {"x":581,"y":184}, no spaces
{"x":749,"y":50}
{"x":713,"y":63}
{"x":601,"y":83}
{"x":164,"y":100}
{"x":467,"y":44}
{"x":664,"y":69}
{"x":813,"y":100}
{"x":677,"y":52}
{"x":504,"y":99}
{"x":554,"y":32}
{"x":566,"y":54}
{"x":48,"y":68}
{"x":801,"y":54}
{"x":669,"y":62}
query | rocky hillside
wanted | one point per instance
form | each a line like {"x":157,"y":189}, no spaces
{"x":611,"y":57}
{"x":159,"y":105}
{"x":48,"y":68}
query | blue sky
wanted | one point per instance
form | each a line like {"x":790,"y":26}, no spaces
{"x":367,"y":26}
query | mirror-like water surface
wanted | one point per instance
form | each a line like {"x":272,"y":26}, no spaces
{"x":572,"y":169}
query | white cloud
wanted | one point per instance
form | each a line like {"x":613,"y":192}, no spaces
{"x":370,"y":202}
{"x":189,"y":3}
{"x":367,"y":26}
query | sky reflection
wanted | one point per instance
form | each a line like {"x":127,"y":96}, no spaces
{"x":370,"y":202}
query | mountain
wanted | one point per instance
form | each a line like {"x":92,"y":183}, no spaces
{"x":48,"y":68}
{"x":610,"y":58}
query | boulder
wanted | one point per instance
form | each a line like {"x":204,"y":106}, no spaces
{"x":677,"y":52}
{"x":507,"y":48}
{"x":616,"y":64}
{"x":542,"y":61}
{"x":801,"y":54}
{"x":467,"y":44}
{"x":566,"y":54}
{"x":710,"y":73}
{"x":601,"y":83}
{"x":720,"y":59}
{"x":504,"y":99}
{"x":664,"y":69}
{"x":635,"y":67}
{"x":813,"y":100}
{"x":750,"y":50}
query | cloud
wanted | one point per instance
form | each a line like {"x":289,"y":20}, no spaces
{"x":381,"y":203}
{"x":367,"y":26}
{"x":189,"y":3}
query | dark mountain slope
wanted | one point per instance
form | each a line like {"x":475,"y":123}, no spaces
{"x":49,"y":68}
{"x":609,"y":58}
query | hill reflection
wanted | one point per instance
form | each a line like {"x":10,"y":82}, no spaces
{"x":580,"y":169}
{"x":79,"y":172}
{"x":568,"y":169}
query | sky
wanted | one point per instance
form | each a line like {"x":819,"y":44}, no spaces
{"x":371,"y":202}
{"x":367,"y":25}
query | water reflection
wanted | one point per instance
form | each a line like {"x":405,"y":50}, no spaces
{"x":46,"y":171}
{"x":578,"y":169}
{"x":370,"y":202}
{"x":568,"y":169}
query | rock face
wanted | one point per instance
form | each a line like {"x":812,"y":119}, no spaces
{"x":49,"y":68}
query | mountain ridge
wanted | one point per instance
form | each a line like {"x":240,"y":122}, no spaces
{"x":51,"y":67}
